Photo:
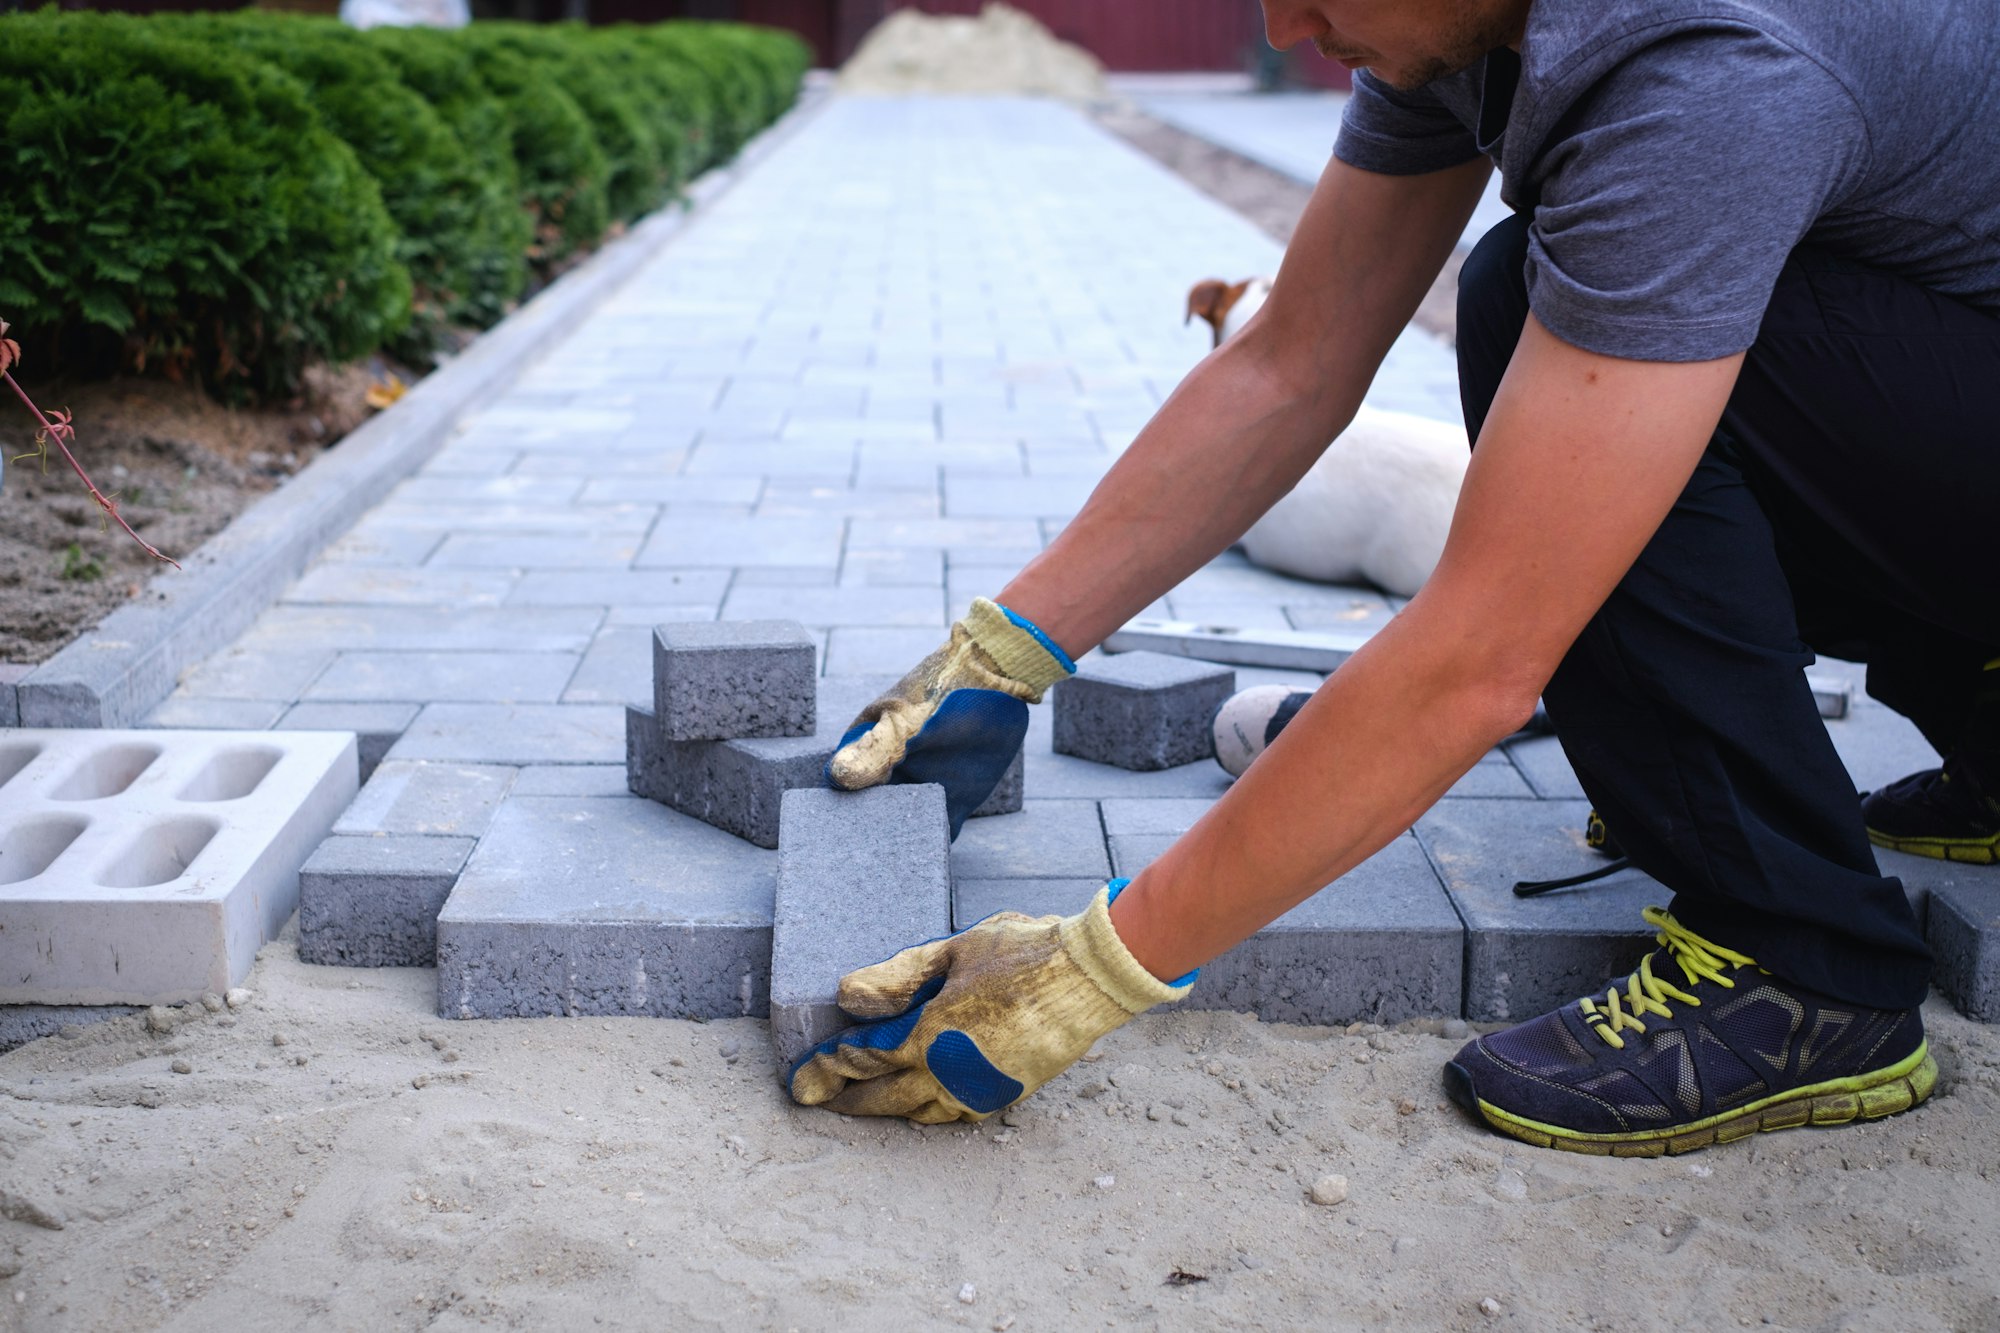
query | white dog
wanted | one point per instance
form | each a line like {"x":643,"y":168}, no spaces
{"x":1378,"y":503}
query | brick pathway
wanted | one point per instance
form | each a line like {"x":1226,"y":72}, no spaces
{"x":861,"y":390}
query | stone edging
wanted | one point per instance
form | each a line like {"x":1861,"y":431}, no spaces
{"x":114,"y":674}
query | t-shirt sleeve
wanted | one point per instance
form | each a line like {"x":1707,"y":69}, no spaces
{"x":1397,"y":133}
{"x":1675,"y":189}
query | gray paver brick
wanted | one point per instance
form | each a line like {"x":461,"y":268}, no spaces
{"x":180,"y":713}
{"x":1380,"y":944}
{"x":396,"y":585}
{"x":663,"y":587}
{"x":444,"y":626}
{"x":736,"y":785}
{"x":571,"y":780}
{"x":860,"y":876}
{"x":734,"y":679}
{"x":487,"y":551}
{"x":873,"y":605}
{"x":1008,"y":795}
{"x":417,"y":797}
{"x":695,"y":540}
{"x":515,"y":734}
{"x":376,"y":727}
{"x":11,"y":674}
{"x":1140,"y":711}
{"x":1525,"y":956}
{"x":587,"y":907}
{"x":373,"y":901}
{"x":1046,"y":840}
{"x":1964,"y":933}
{"x":444,"y":677}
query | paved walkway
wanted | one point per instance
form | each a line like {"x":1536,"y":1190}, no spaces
{"x":1291,"y":133}
{"x":862,"y":389}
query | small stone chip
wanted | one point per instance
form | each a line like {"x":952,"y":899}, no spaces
{"x":1489,"y":1307}
{"x":1105,"y":1182}
{"x":183,"y":1067}
{"x":211,"y":1002}
{"x":236,"y":997}
{"x":1329,"y":1190}
{"x":967,"y":1294}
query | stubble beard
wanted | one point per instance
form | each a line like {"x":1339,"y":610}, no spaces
{"x":1462,"y":45}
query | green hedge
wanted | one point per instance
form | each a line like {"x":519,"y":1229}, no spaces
{"x":176,"y":206}
{"x":232,"y":196}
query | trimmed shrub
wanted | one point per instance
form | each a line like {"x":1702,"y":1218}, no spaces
{"x":430,"y":184}
{"x":674,"y":96}
{"x":732,"y":82}
{"x":443,"y":73}
{"x":174,"y":205}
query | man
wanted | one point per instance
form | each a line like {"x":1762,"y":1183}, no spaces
{"x":1733,"y":377}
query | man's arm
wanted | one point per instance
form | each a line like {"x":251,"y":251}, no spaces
{"x":1246,"y":423}
{"x":1580,"y":460}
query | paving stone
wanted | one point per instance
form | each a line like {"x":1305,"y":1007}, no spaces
{"x":393,"y":549}
{"x":738,"y":785}
{"x":178,"y":712}
{"x":11,"y":675}
{"x":587,"y":907}
{"x":1525,"y":956}
{"x":369,"y":901}
{"x":445,"y":677}
{"x":858,"y":650}
{"x":1060,"y":776}
{"x":973,"y":900}
{"x":1964,"y":933}
{"x":675,"y":491}
{"x":444,"y":626}
{"x":1140,"y":711}
{"x":618,"y":669}
{"x":515,"y":734}
{"x":861,"y":875}
{"x":734,"y":679}
{"x":1879,"y":746}
{"x":666,"y":587}
{"x":827,"y":607}
{"x":892,"y":567}
{"x":571,"y":780}
{"x":486,"y":551}
{"x":1046,"y":840}
{"x":1380,"y":944}
{"x":696,"y":541}
{"x":376,"y":727}
{"x":238,"y":672}
{"x":408,"y":796}
{"x":23,"y":1023}
{"x":345,"y":584}
{"x":1547,"y":770}
{"x":1008,"y":795}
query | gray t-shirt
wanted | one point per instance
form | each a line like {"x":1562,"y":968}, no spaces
{"x":1673,"y":152}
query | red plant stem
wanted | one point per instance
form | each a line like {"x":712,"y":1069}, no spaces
{"x":56,"y":433}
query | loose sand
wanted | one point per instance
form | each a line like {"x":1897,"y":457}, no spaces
{"x":381,"y":1169}
{"x":1001,"y":51}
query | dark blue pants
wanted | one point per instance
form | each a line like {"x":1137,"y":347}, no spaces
{"x":1846,"y":506}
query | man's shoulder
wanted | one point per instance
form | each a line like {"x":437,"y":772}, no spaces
{"x":1576,"y":41}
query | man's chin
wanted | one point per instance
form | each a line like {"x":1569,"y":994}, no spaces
{"x":1411,"y":78}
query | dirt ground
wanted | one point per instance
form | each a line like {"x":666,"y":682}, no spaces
{"x":333,"y":1158}
{"x":179,"y":465}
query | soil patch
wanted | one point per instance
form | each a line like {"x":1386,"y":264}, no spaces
{"x":178,"y":464}
{"x":1271,"y":200}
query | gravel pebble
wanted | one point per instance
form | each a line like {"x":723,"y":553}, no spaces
{"x":161,"y":1020}
{"x":211,"y":1002}
{"x":1456,"y":1029}
{"x":1105,"y":1182}
{"x":1329,"y":1190}
{"x":967,"y":1294}
{"x":279,"y":1039}
{"x":1489,"y":1306}
{"x":236,"y":997}
{"x":183,"y":1067}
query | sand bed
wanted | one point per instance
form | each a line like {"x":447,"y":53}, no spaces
{"x":337,"y":1159}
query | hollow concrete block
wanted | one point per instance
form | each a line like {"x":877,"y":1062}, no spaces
{"x":861,"y":875}
{"x":730,"y":680}
{"x":369,"y":901}
{"x":1140,"y":711}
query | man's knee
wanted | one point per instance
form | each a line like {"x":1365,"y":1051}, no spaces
{"x":1492,"y":308}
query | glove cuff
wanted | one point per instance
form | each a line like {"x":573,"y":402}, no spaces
{"x":1021,"y":652}
{"x":1093,"y":942}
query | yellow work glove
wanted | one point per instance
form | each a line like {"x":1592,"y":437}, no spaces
{"x":957,"y":719}
{"x":970,"y":1024}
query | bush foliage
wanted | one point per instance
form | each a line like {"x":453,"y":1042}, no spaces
{"x":232,"y":196}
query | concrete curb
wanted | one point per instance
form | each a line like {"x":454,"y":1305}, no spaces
{"x":113,"y":675}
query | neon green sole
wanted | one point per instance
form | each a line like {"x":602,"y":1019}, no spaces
{"x":1838,"y":1101}
{"x":1965,"y":851}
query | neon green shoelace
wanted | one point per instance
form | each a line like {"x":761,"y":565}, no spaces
{"x":1645,"y":993}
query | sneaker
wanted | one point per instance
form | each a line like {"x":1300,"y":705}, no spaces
{"x":1699,"y":1046}
{"x":1940,"y":812}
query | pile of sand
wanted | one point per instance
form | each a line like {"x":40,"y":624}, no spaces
{"x":1001,"y":51}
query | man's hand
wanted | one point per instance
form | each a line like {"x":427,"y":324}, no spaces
{"x":970,"y":1024}
{"x":959,"y":717}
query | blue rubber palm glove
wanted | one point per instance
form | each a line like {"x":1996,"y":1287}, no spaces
{"x":959,"y":717}
{"x":970,"y":1024}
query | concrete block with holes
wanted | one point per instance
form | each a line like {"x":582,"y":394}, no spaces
{"x":146,"y":867}
{"x":861,"y":875}
{"x":1140,"y":711}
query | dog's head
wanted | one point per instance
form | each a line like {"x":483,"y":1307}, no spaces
{"x":1227,"y":306}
